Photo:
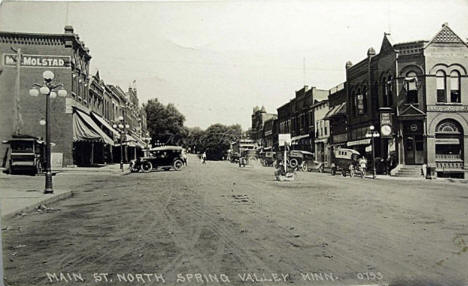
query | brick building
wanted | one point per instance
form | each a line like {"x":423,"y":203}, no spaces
{"x":81,"y":123}
{"x":259,"y":117}
{"x":413,"y":93}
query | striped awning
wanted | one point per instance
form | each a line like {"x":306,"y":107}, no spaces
{"x":85,"y":129}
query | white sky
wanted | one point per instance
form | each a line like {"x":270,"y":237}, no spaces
{"x":215,"y":60}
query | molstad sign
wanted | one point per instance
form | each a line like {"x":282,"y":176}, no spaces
{"x":38,"y":61}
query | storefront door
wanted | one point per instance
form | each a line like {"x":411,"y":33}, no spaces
{"x":414,"y":150}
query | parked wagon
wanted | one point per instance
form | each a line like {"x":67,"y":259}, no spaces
{"x":26,"y":155}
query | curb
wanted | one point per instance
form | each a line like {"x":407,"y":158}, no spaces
{"x":63,"y":196}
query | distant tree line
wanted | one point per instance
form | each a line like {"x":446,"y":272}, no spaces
{"x":166,"y":125}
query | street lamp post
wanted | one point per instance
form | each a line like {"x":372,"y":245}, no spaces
{"x":372,"y":128}
{"x":47,"y":89}
{"x":122,"y":127}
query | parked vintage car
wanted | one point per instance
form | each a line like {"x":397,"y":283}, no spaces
{"x":26,"y":155}
{"x":304,"y":161}
{"x":344,"y":161}
{"x":164,"y":157}
{"x":267,"y":158}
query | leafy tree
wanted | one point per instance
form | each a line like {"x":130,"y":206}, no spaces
{"x":217,"y":139}
{"x":165,"y":123}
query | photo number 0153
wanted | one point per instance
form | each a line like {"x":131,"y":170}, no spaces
{"x":234,"y":143}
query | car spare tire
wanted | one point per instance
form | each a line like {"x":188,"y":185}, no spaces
{"x":293,"y":163}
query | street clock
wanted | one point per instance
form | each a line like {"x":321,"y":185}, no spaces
{"x":386,"y":130}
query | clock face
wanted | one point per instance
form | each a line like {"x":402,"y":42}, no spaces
{"x":386,"y":130}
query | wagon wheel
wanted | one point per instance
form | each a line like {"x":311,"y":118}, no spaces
{"x":146,"y":166}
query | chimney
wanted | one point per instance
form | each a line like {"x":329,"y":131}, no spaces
{"x":68,"y":29}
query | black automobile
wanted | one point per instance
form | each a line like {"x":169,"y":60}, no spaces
{"x":164,"y":157}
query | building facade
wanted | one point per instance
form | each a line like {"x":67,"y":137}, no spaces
{"x":81,"y":127}
{"x":413,"y":94}
{"x":322,"y":132}
{"x":259,"y":117}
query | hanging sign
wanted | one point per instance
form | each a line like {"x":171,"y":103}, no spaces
{"x":284,"y":139}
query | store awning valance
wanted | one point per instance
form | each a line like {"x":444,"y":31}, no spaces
{"x":447,"y":141}
{"x":86,"y":127}
{"x":101,"y":120}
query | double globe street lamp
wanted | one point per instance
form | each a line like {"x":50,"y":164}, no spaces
{"x":50,"y":89}
{"x":373,"y":134}
{"x":122,"y":128}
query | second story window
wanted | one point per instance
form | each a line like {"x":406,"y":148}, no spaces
{"x":441,"y":87}
{"x":388,"y":92}
{"x":411,"y":85}
{"x":455,"y":87}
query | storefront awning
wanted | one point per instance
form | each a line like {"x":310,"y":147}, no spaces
{"x":447,"y":141}
{"x":101,"y":120}
{"x":296,"y":138}
{"x":88,"y":128}
{"x":359,"y":142}
{"x":82,"y":132}
{"x":338,"y":110}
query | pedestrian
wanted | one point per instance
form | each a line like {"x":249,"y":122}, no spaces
{"x":204,"y":158}
{"x":363,"y":165}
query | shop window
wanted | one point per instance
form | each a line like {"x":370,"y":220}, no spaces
{"x":455,"y":87}
{"x":411,"y":85}
{"x":441,"y":84}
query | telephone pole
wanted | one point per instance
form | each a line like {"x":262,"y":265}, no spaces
{"x":17,"y":109}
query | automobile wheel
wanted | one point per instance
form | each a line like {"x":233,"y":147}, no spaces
{"x":178,"y":164}
{"x":293,"y":163}
{"x":146,"y":166}
{"x":304,"y":167}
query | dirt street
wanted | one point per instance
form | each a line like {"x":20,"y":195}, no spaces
{"x":220,"y":224}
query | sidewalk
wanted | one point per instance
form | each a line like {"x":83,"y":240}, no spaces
{"x":111,"y":168}
{"x":14,"y":201}
{"x":22,"y":193}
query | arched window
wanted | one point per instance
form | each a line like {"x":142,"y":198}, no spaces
{"x":388,"y":93}
{"x":411,"y":87}
{"x":441,"y":86}
{"x":455,"y":87}
{"x":364,"y":101}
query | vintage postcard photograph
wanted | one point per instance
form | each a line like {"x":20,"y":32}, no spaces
{"x":243,"y":142}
